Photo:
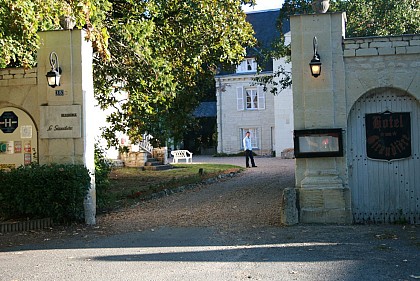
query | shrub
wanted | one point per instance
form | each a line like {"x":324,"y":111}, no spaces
{"x":38,"y":191}
{"x":102,"y":170}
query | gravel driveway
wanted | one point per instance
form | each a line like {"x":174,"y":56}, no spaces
{"x":251,"y":199}
{"x":226,"y":230}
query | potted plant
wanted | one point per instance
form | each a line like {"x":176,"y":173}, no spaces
{"x":320,"y":6}
{"x":67,"y":19}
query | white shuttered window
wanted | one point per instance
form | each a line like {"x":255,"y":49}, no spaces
{"x":250,"y":98}
{"x":247,"y":65}
{"x":254,"y":137}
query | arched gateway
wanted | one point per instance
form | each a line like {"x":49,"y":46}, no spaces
{"x":384,"y":157}
{"x":361,"y":117}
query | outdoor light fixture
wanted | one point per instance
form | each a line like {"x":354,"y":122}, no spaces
{"x":53,"y":76}
{"x":315,"y":63}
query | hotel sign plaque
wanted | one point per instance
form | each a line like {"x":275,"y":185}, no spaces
{"x":388,"y":135}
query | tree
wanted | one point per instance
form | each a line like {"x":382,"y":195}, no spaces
{"x":161,"y":54}
{"x":380,"y":18}
{"x":364,"y":18}
{"x":20,"y":20}
{"x":158,"y":52}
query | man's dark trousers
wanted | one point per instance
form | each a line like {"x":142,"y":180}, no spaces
{"x":248,"y":155}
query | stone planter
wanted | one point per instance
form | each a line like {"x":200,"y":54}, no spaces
{"x":67,"y":22}
{"x":320,"y":6}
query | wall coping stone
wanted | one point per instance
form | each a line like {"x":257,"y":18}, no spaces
{"x":381,"y":45}
{"x":18,"y":76}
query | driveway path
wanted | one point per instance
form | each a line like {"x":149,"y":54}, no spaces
{"x":251,"y":198}
{"x":227,"y":230}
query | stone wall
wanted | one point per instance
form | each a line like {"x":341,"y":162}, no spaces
{"x":381,"y":62}
{"x":381,"y":46}
{"x":18,"y":88}
{"x":17,"y":77}
{"x":134,"y":159}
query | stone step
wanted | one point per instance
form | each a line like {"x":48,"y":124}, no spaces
{"x":157,"y":167}
{"x":152,"y":163}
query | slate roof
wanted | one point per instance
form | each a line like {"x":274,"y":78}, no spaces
{"x":264,"y":24}
{"x":206,"y":109}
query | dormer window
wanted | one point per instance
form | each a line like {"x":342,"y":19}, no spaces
{"x":247,"y":65}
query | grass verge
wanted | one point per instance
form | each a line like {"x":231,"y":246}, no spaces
{"x":130,"y":185}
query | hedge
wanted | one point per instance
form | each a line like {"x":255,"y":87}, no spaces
{"x":54,"y":191}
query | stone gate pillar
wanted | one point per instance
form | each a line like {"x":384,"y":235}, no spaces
{"x":66,"y":133}
{"x":319,"y":103}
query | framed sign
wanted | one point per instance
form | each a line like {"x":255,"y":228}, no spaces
{"x":61,"y":122}
{"x":318,"y":143}
{"x":388,"y":135}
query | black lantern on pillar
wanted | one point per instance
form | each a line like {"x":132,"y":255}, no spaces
{"x":315,"y":63}
{"x":53,"y":76}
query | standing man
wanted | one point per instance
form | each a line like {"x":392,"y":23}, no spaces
{"x":248,"y":150}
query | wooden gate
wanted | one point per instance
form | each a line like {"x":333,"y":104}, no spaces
{"x":383,"y":155}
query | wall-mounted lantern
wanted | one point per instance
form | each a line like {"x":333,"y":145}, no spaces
{"x":53,"y":76}
{"x":315,"y":63}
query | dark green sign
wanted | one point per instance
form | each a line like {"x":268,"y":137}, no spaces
{"x":8,"y":122}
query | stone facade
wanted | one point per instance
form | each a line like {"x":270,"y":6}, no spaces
{"x":274,"y":123}
{"x":271,"y":124}
{"x":232,"y":122}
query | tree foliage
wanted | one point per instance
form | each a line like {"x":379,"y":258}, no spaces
{"x":380,"y":18}
{"x":162,"y":52}
{"x":20,"y":20}
{"x":364,"y":18}
{"x":159,"y":53}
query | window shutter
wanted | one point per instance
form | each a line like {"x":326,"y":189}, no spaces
{"x":240,"y":98}
{"x":241,"y":138}
{"x":241,"y":67}
{"x":256,"y":138}
{"x":238,"y":68}
{"x":261,"y":98}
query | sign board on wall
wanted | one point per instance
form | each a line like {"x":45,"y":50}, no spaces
{"x":18,"y":138}
{"x":8,"y":122}
{"x":388,"y":135}
{"x":60,"y":122}
{"x":318,"y":143}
